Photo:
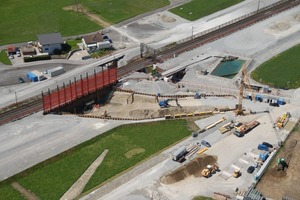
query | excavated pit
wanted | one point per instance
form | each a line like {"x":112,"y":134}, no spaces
{"x":192,"y":168}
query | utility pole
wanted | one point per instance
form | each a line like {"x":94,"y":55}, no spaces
{"x":16,"y":98}
{"x":258,"y":5}
{"x":192,"y":32}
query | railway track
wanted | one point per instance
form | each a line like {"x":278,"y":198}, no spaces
{"x":32,"y":107}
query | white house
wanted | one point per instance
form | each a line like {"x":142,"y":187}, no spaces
{"x":49,"y":42}
{"x":95,"y":42}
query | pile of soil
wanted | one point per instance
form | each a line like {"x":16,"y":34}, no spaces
{"x":121,"y":105}
{"x":194,"y":167}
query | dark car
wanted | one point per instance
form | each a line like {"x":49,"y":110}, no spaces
{"x":205,"y":143}
{"x":86,"y":57}
{"x":267,"y":144}
{"x":250,"y":169}
{"x":21,"y":80}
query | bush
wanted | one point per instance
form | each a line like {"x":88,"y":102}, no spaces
{"x":37,"y":58}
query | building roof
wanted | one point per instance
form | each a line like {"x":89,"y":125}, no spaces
{"x":94,"y":38}
{"x":50,"y":38}
{"x":27,"y":49}
{"x":11,"y":49}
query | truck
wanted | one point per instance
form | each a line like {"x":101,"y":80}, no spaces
{"x":179,"y":154}
{"x":35,"y":76}
{"x":245,"y":128}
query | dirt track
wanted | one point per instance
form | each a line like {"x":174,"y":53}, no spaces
{"x":277,"y":184}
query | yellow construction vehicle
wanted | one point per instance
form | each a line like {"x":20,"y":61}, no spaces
{"x":244,"y":78}
{"x":282,"y":120}
{"x":236,"y":173}
{"x":209,"y":170}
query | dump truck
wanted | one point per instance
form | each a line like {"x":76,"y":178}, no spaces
{"x":245,"y":128}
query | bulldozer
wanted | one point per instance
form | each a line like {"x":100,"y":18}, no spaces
{"x":236,"y":173}
{"x":209,"y":170}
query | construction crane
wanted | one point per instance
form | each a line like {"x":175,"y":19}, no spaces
{"x":244,"y":78}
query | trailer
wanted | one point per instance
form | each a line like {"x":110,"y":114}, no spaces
{"x":245,"y":128}
{"x":179,"y":154}
{"x":56,"y":71}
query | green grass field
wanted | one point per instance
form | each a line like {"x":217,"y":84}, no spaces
{"x":282,"y":71}
{"x":4,"y":58}
{"x":199,"y":8}
{"x":52,"y":178}
{"x":23,"y":20}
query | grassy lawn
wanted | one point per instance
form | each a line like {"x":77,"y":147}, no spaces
{"x":281,"y":71}
{"x":100,"y":53}
{"x":120,"y":10}
{"x":73,"y":44}
{"x":23,"y":20}
{"x":3,"y":58}
{"x":52,"y":178}
{"x":8,"y":192}
{"x":199,"y":8}
{"x":202,"y":198}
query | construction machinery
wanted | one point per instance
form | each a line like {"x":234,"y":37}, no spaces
{"x":236,"y":173}
{"x":209,"y":170}
{"x":197,"y":95}
{"x":244,"y":78}
{"x":281,"y":122}
{"x":244,"y":128}
{"x":281,"y":164}
{"x":165,"y":103}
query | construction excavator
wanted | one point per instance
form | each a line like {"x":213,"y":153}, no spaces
{"x":165,"y":103}
{"x":244,"y":78}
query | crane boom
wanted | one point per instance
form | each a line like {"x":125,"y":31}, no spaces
{"x":244,"y":77}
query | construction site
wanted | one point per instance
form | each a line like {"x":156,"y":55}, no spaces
{"x":244,"y":141}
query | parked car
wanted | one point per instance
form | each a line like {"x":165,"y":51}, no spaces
{"x":250,"y":169}
{"x":18,"y":54}
{"x":21,"y":80}
{"x":86,"y":57}
{"x":267,"y":144}
{"x":205,"y":143}
{"x":11,"y":56}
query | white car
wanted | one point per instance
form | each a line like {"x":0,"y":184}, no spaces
{"x":11,"y":56}
{"x":18,"y":54}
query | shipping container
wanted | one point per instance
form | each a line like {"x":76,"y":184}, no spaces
{"x":56,"y":71}
{"x":263,"y":147}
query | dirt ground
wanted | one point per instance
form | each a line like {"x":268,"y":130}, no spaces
{"x":277,"y":184}
{"x":121,"y":105}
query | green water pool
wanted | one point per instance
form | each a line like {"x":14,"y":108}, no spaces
{"x":228,"y":69}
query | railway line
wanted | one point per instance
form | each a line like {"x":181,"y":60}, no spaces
{"x":166,"y":53}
